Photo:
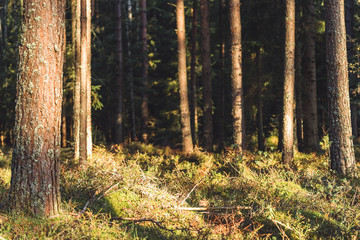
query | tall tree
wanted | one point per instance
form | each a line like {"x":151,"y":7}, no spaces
{"x":289,"y":83}
{"x":349,"y":23}
{"x":119,"y":74}
{"x":130,"y":73}
{"x":36,"y":155}
{"x":236,"y":75}
{"x":342,"y":149}
{"x":222,"y":75}
{"x":144,"y":74}
{"x":311,"y":133}
{"x":85,"y":81}
{"x":76,"y":47}
{"x":193,"y":105}
{"x":184,"y":102}
{"x":206,"y":75}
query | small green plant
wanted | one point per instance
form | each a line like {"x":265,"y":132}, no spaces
{"x":325,"y":144}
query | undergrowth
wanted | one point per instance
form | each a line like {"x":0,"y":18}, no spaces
{"x":140,"y":191}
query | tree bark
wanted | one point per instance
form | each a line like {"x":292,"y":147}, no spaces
{"x":76,"y":36}
{"x":130,"y":74}
{"x":206,"y":74}
{"x":299,"y":101}
{"x":289,"y":82}
{"x":144,"y":75}
{"x":119,"y":75}
{"x":349,"y":23}
{"x":36,"y":156}
{"x":63,"y":123}
{"x":260,"y":124}
{"x":85,"y":82}
{"x":193,"y":105}
{"x":184,"y":102}
{"x":236,"y":75}
{"x":311,"y":132}
{"x":342,"y":149}
{"x":221,"y":112}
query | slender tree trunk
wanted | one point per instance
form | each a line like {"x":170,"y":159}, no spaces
{"x":184,"y":102}
{"x":119,"y":75}
{"x":63,"y":123}
{"x":342,"y":149}
{"x":299,"y":102}
{"x":349,"y":23}
{"x":206,"y":74}
{"x":289,"y":83}
{"x":85,"y":82}
{"x":130,"y":74}
{"x":76,"y":36}
{"x":311,"y":132}
{"x":144,"y":75}
{"x":221,"y":112}
{"x":236,"y":74}
{"x":36,"y":156}
{"x":193,"y":105}
{"x":260,"y":127}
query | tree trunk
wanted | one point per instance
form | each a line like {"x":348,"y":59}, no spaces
{"x":206,"y":74}
{"x":144,"y":75}
{"x":63,"y":123}
{"x":76,"y":36}
{"x":349,"y":23}
{"x":36,"y":156}
{"x":311,"y":133}
{"x":85,"y":82}
{"x":119,"y":75}
{"x":193,"y":105}
{"x":299,"y":101}
{"x":236,"y":74}
{"x":88,"y":81}
{"x":184,"y":102}
{"x":260,"y":125}
{"x":289,"y":82}
{"x":130,"y":74}
{"x":222,"y":76}
{"x":342,"y":149}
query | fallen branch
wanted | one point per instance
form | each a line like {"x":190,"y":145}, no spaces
{"x":96,"y":197}
{"x":139,"y":220}
{"x":201,"y":209}
{"x":188,"y":195}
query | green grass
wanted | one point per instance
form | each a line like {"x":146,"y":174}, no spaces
{"x":145,"y":182}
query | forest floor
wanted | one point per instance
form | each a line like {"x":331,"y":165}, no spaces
{"x":143,"y":192}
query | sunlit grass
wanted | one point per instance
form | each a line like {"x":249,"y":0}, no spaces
{"x":145,"y":182}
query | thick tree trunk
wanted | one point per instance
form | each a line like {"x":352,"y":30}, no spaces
{"x":236,"y":74}
{"x":206,"y":75}
{"x":130,"y":74}
{"x":119,"y":75}
{"x":311,"y":132}
{"x":184,"y":102}
{"x":193,"y":105}
{"x":36,"y":155}
{"x":289,"y":83}
{"x":349,"y":23}
{"x":144,"y":74}
{"x":342,"y":149}
{"x":76,"y":36}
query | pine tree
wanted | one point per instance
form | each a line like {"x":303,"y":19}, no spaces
{"x":36,"y":155}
